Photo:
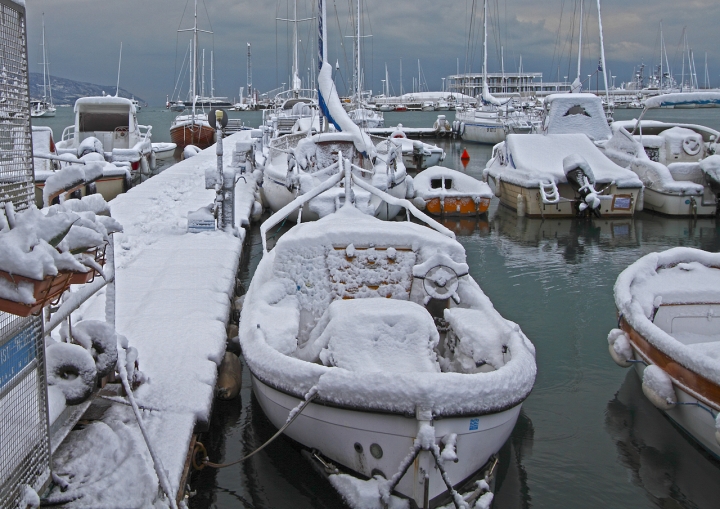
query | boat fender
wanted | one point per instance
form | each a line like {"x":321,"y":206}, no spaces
{"x":717,"y":428}
{"x":461,"y":131}
{"x":619,"y":347}
{"x":410,"y":190}
{"x":520,"y":205}
{"x":658,"y":388}
{"x":257,"y":211}
{"x":640,"y":203}
{"x":71,"y":369}
{"x":229,"y":377}
{"x":90,"y":188}
{"x":153,"y":161}
{"x":98,"y":338}
{"x":127,"y":183}
{"x":144,"y":166}
{"x":190,"y":151}
{"x":498,"y":189}
{"x":419,"y":203}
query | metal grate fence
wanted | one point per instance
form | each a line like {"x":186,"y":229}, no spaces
{"x":24,"y":443}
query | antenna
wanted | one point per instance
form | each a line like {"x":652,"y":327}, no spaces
{"x":117,"y":88}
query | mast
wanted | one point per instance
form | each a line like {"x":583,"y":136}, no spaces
{"x":401,"y":88}
{"x":387,"y":83}
{"x":202,"y":86}
{"x":212,"y":76}
{"x":602,"y":55}
{"x":44,"y":62}
{"x":662,"y":45}
{"x":580,"y":41}
{"x":195,"y":31}
{"x":249,"y":73}
{"x":485,"y":44}
{"x":419,"y":89}
{"x":359,"y":86}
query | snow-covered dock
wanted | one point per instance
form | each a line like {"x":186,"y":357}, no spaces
{"x":173,"y":299}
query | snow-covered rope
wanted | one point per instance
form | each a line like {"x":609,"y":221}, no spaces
{"x":294,"y":414}
{"x":157,"y":463}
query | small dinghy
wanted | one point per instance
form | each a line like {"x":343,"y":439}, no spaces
{"x":669,"y":304}
{"x":442,"y":191}
{"x":385,"y":357}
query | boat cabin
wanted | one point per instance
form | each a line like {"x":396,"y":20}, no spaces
{"x":576,"y":113}
{"x":112,"y":120}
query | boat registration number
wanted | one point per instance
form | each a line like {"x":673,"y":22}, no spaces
{"x":15,"y":355}
{"x":474,"y":424}
{"x":622,"y":202}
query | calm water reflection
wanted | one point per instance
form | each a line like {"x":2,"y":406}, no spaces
{"x":586,"y":436}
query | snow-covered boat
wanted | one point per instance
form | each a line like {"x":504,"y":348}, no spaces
{"x":374,"y":338}
{"x":562,"y":172}
{"x":73,"y":174}
{"x":492,"y":121}
{"x":417,"y":154}
{"x":298,"y":163}
{"x":667,"y":304}
{"x":675,"y":161}
{"x":446,"y":192}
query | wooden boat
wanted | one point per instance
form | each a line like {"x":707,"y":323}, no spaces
{"x":668,"y":303}
{"x":192,"y":130}
{"x":445,"y":192}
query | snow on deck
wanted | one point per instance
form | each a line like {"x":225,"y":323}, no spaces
{"x":173,"y":301}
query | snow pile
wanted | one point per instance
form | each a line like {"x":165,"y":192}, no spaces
{"x":462,"y":184}
{"x":576,"y":114}
{"x":299,"y":266}
{"x":676,"y":276}
{"x":106,"y":464}
{"x":361,"y":494}
{"x":371,"y":335}
{"x":89,"y":145}
{"x":29,"y":498}
{"x":533,"y":158}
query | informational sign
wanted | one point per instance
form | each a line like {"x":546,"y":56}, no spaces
{"x":15,"y":354}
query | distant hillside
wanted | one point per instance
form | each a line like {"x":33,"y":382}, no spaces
{"x":66,"y":91}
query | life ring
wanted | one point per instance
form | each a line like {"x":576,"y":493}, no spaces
{"x":71,"y":369}
{"x":100,"y":340}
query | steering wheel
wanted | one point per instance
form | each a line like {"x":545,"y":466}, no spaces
{"x":440,"y":276}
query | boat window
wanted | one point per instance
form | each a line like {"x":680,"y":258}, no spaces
{"x":577,"y":110}
{"x":441,"y":183}
{"x":106,"y":121}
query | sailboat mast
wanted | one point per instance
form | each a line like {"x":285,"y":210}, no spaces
{"x":602,"y":55}
{"x":401,"y":87}
{"x":580,"y":41}
{"x":44,"y":61}
{"x":359,"y":86}
{"x":662,"y":45}
{"x":485,"y":43}
{"x":212,"y":75}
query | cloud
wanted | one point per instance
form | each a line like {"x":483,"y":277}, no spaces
{"x":84,"y":36}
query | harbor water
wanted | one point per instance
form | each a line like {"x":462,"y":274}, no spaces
{"x":586,"y":437}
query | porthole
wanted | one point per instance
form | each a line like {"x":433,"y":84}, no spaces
{"x":376,"y":451}
{"x":358,"y":447}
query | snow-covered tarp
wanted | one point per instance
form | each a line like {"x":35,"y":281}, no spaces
{"x":677,"y":276}
{"x":351,"y":254}
{"x":534,"y":158}
{"x":576,"y":113}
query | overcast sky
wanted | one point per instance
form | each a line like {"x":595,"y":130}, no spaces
{"x":83,"y":39}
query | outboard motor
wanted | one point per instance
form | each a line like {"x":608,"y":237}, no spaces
{"x":582,"y":180}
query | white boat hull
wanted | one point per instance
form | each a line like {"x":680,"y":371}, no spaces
{"x":677,"y":205}
{"x":695,"y":421}
{"x":277,"y":195}
{"x":345,"y":436}
{"x":484,"y":133}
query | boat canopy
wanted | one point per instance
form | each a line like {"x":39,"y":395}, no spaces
{"x":576,"y":113}
{"x":683,"y":98}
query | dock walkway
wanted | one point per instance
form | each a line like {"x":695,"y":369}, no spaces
{"x":173,"y":298}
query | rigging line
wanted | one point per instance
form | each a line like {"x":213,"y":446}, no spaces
{"x":469,"y":34}
{"x":208,"y":15}
{"x":557,"y":39}
{"x":277,"y":66}
{"x":177,"y":38}
{"x":342,"y":43}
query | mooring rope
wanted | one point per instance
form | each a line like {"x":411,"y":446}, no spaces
{"x":294,"y":414}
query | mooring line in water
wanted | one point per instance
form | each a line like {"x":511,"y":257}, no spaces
{"x":294,"y":414}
